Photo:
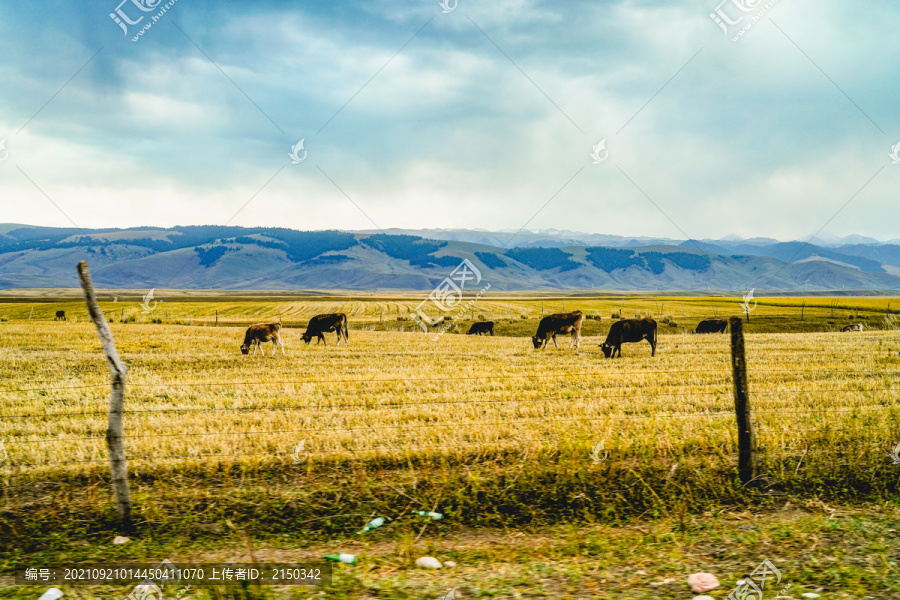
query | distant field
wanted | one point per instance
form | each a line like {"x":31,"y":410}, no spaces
{"x":516,"y":315}
{"x":487,"y":429}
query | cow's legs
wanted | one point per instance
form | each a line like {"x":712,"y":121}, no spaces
{"x":652,"y":348}
{"x":281,"y":343}
{"x":554,"y":340}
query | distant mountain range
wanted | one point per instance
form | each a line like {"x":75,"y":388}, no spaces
{"x":239,"y":258}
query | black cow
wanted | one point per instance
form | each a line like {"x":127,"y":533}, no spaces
{"x":712,"y":326}
{"x":326,"y":323}
{"x":263,"y":332}
{"x":629,"y":330}
{"x":481,"y":327}
{"x":60,"y":315}
{"x":552,"y":325}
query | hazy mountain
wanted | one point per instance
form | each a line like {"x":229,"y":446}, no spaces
{"x":213,"y":257}
{"x":864,"y":253}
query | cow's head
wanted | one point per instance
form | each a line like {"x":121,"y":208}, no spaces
{"x":306,"y":337}
{"x":245,"y":349}
{"x":536,"y":341}
{"x":607,"y":349}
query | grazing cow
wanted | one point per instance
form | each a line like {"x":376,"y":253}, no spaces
{"x":320,"y":324}
{"x":629,"y":330}
{"x":854,"y":327}
{"x":262,"y":332}
{"x":481,"y":327}
{"x":60,"y":315}
{"x":551,"y":325}
{"x":712,"y":326}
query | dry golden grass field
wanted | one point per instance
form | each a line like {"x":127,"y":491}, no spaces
{"x":486,"y":430}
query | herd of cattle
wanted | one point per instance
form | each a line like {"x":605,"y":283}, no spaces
{"x":622,"y":331}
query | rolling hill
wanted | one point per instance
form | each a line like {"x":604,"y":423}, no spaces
{"x":239,"y":258}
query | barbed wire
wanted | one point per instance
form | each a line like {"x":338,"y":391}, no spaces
{"x":437,"y":424}
{"x":353,"y":405}
{"x":275,"y":454}
{"x":599,"y":395}
{"x":490,"y":376}
{"x":524,"y":445}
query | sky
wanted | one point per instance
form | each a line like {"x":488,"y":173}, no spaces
{"x":780,"y":122}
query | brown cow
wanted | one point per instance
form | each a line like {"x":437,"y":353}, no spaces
{"x":481,"y":327}
{"x":551,"y":325}
{"x":326,"y":323}
{"x":629,"y":330}
{"x":854,"y":327}
{"x":712,"y":326}
{"x":262,"y":332}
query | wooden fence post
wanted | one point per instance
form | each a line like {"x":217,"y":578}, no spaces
{"x":746,"y":436}
{"x":117,"y":371}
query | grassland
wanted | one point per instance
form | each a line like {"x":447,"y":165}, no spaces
{"x":516,"y":315}
{"x":485,"y":430}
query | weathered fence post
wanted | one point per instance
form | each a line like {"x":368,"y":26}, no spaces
{"x":746,"y":437}
{"x":117,"y":371}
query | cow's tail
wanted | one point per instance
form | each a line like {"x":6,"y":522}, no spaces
{"x":346,"y":329}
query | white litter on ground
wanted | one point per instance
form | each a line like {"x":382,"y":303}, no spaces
{"x":428,"y":562}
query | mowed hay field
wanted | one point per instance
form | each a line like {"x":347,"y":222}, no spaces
{"x":516,"y":315}
{"x":486,"y":430}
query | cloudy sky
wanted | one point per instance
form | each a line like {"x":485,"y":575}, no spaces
{"x":484,"y":116}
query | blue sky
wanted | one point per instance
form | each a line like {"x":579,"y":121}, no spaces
{"x":485,"y":119}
